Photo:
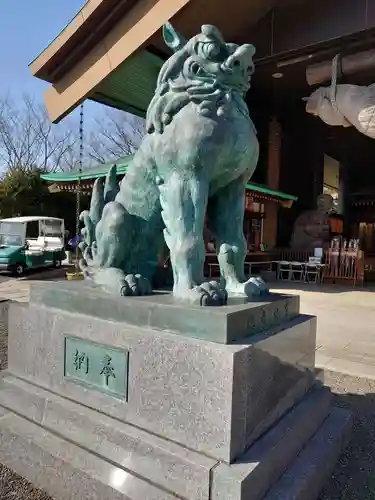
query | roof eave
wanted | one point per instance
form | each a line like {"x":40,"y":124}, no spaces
{"x":71,"y":177}
{"x":50,"y":53}
{"x":84,"y":31}
{"x":72,"y":86}
{"x":261,"y":189}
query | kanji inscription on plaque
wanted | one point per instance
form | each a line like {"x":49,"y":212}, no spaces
{"x":98,"y":366}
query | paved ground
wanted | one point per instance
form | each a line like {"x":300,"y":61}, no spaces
{"x":346,"y":325}
{"x":18,"y":288}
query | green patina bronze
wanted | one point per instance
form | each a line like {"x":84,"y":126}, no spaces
{"x":98,"y":366}
{"x":200,"y":146}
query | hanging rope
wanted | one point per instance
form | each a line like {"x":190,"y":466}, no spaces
{"x":336,"y":74}
{"x":78,"y":193}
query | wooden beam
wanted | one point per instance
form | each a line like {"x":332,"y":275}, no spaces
{"x":128,"y":35}
{"x":354,"y":63}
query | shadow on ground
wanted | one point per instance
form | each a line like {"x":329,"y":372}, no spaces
{"x":354,"y":475}
{"x":46,"y":274}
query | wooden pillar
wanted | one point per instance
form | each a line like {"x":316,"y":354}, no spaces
{"x":273,"y":175}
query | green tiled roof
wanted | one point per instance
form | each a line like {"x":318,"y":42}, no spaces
{"x":259,"y":188}
{"x":89,"y":173}
{"x":122,"y":163}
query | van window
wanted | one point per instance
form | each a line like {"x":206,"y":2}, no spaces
{"x":32,"y":229}
{"x":51,"y":228}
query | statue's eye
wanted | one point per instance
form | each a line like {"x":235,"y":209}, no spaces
{"x":210,"y":50}
{"x":194,"y":68}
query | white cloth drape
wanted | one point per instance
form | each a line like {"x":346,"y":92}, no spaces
{"x":354,"y":106}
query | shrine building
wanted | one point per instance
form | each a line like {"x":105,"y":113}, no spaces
{"x":112,"y":51}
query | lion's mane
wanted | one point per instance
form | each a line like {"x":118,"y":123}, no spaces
{"x":177,"y":86}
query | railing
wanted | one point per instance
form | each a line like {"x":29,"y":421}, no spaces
{"x":294,"y":255}
{"x":341,"y":265}
{"x":345,"y":265}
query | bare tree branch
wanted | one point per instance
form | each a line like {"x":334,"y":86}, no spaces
{"x":28,"y":139}
{"x":116,"y":134}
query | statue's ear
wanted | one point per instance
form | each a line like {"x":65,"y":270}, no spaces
{"x":173,"y":39}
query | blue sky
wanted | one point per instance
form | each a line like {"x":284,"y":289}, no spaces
{"x":26,"y":28}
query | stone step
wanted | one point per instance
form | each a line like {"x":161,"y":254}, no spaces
{"x":254,"y":473}
{"x":164,"y":463}
{"x":311,"y":469}
{"x":67,"y":470}
{"x":64,"y":470}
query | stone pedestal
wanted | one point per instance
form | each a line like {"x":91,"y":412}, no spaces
{"x":140,"y":399}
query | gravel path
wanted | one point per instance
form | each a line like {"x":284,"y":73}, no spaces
{"x":3,"y":351}
{"x":14,"y":487}
{"x":353,"y":478}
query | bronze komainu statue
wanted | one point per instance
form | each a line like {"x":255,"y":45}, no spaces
{"x":198,"y":154}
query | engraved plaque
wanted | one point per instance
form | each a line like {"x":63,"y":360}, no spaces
{"x":97,"y":366}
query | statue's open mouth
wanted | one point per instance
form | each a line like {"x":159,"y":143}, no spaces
{"x":239,"y":83}
{"x":219,"y":76}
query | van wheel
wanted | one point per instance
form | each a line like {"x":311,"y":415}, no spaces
{"x":18,"y":270}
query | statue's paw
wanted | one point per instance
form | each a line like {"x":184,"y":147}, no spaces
{"x":264,"y":288}
{"x":253,"y":287}
{"x":135,"y":284}
{"x":115,"y":281}
{"x":209,"y":293}
{"x":212,"y":294}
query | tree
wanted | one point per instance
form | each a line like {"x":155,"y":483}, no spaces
{"x":23,"y":192}
{"x":28,"y":139}
{"x":116,"y":134}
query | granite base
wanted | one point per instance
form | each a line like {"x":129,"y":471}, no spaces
{"x":214,"y":398}
{"x":239,"y":319}
{"x":199,"y":420}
